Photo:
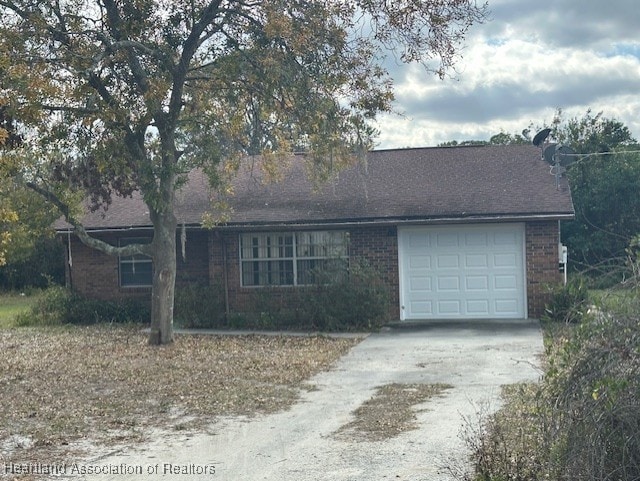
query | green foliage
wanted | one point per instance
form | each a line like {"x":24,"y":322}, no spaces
{"x":116,"y":97}
{"x":58,"y":305}
{"x":14,"y":303}
{"x":604,"y":185}
{"x":568,"y":303}
{"x":359,"y":300}
{"x":199,"y":306}
{"x":605,"y":193}
{"x":40,"y":266}
{"x":583,"y":420}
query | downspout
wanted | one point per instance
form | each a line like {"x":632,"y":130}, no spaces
{"x":225,"y":278}
{"x":69,"y":265}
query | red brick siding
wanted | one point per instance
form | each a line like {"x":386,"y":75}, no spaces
{"x":194,"y":268}
{"x":377,"y":246}
{"x":95,"y":274}
{"x":542,"y":239}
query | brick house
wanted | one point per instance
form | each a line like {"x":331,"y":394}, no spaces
{"x":456,"y":232}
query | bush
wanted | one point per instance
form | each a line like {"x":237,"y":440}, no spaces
{"x":595,"y":387}
{"x":359,"y":300}
{"x":199,"y":306}
{"x":568,"y":303}
{"x":49,"y":309}
{"x":44,"y":266}
{"x":337,"y":301}
{"x":583,"y":421}
{"x":58,"y":305}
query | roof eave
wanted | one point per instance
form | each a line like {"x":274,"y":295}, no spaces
{"x":370,"y":222}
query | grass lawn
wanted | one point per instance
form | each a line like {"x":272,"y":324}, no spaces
{"x":65,"y":389}
{"x":12,"y":304}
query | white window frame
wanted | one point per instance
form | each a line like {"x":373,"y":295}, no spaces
{"x":133,"y":260}
{"x":301,"y":249}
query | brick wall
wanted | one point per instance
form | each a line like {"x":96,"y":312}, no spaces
{"x":542,"y":239}
{"x":95,"y":274}
{"x":377,"y":246}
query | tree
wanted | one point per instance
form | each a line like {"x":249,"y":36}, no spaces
{"x":8,"y":216}
{"x":502,"y":138}
{"x":117,"y":96}
{"x":26,"y":237}
{"x":605,"y":182}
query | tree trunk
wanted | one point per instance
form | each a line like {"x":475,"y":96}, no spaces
{"x":164,"y":278}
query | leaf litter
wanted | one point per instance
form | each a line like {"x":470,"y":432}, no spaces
{"x":389,"y":412}
{"x":105,"y":384}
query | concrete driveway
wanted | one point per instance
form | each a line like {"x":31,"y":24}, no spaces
{"x":476,"y":358}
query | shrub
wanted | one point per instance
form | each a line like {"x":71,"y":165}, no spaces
{"x":569,"y":303}
{"x":199,"y":306}
{"x":58,"y":305}
{"x":359,"y":300}
{"x":44,"y":266}
{"x":583,"y":421}
{"x":49,"y":309}
{"x":596,"y":391}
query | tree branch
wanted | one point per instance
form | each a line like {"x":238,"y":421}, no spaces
{"x":85,"y":238}
{"x":115,"y":21}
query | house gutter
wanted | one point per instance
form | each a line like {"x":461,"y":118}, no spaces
{"x":396,"y":222}
{"x":351,"y":223}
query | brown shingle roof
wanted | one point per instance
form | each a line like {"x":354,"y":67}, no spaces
{"x":429,"y":184}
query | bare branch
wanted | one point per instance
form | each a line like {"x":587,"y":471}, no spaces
{"x":85,"y":238}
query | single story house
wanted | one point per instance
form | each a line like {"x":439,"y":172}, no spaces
{"x":467,"y":232}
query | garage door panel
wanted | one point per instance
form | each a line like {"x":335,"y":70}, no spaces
{"x":448,"y":261}
{"x":418,"y":240}
{"x":420,"y":284}
{"x":447,"y":240}
{"x":420,"y":262}
{"x":448,"y":283}
{"x":505,"y":260}
{"x":478,"y":308}
{"x":476,"y":261}
{"x":506,"y":306}
{"x":506,"y":239}
{"x":476,"y":239}
{"x":477,"y":283}
{"x":505,"y":283}
{"x":473,"y":271}
{"x":422,"y":306}
{"x":449,"y":308}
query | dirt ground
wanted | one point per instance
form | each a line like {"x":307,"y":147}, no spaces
{"x":66,"y":390}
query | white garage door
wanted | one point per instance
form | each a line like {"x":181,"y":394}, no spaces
{"x":467,"y":272}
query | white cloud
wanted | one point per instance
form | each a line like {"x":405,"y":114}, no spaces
{"x":516,"y":70}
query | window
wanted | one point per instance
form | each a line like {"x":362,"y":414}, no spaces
{"x":136,"y":270}
{"x":291,"y":259}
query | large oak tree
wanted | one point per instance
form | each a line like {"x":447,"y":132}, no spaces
{"x":115,"y":96}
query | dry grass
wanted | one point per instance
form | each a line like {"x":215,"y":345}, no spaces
{"x":60,"y":386}
{"x":390,"y":411}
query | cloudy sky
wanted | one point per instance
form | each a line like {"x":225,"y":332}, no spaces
{"x":530,"y":58}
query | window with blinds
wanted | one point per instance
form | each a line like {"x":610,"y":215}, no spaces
{"x":135,"y":270}
{"x":291,"y":259}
